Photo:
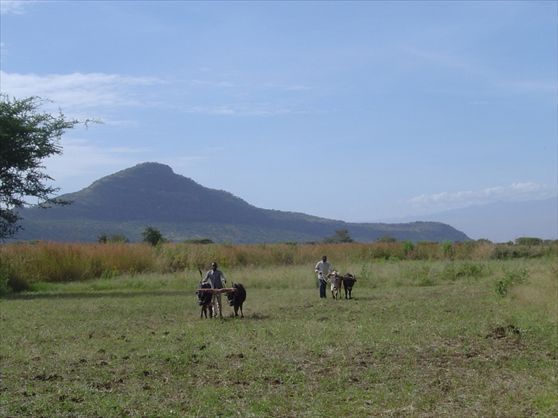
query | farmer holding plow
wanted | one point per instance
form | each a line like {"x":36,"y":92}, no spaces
{"x":322,"y":269}
{"x":217,"y":280}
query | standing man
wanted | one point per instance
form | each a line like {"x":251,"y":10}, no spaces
{"x":322,"y":269}
{"x":217,"y":280}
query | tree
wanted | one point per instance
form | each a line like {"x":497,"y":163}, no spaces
{"x":340,"y":236}
{"x":27,"y":137}
{"x":528,"y":241}
{"x":152,"y":236}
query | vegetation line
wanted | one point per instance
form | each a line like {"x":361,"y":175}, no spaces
{"x":23,"y":264}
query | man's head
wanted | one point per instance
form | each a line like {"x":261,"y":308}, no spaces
{"x":324,"y":258}
{"x":214,"y":266}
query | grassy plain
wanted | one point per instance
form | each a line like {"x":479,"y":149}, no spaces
{"x":420,"y":338}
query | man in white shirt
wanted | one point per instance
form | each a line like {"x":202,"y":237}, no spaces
{"x":217,"y":280}
{"x":322,"y":269}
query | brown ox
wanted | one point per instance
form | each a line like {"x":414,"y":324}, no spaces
{"x":336,"y":281}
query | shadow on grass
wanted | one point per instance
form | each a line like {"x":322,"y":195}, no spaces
{"x":366,"y":297}
{"x":255,"y":316}
{"x":97,"y":294}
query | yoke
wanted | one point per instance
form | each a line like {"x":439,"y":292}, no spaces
{"x":222,"y":290}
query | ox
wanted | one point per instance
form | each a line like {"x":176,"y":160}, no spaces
{"x":204,"y":300}
{"x":336,"y":281}
{"x":348,"y":283}
{"x":237,"y":298}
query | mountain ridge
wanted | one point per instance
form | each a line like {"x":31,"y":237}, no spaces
{"x":152,"y":194}
{"x":503,"y":221}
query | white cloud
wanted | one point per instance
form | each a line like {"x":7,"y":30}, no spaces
{"x":14,"y":6}
{"x":78,"y":90}
{"x":88,"y":93}
{"x":244,"y":109}
{"x":452,"y":200}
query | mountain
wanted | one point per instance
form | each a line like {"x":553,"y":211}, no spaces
{"x":504,"y":221}
{"x":152,"y":194}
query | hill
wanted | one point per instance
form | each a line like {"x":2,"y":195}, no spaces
{"x":152,"y":194}
{"x":504,"y":221}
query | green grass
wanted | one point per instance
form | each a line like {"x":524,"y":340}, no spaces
{"x":419,"y":339}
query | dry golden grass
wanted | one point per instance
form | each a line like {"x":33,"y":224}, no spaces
{"x":56,"y":262}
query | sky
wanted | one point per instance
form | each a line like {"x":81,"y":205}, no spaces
{"x":359,"y":111}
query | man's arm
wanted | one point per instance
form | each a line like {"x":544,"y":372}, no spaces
{"x":207,"y":279}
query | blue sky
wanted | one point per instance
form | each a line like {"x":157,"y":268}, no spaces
{"x":359,"y":111}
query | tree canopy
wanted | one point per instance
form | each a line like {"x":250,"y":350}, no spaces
{"x":340,"y":236}
{"x":152,"y":236}
{"x":27,"y":137}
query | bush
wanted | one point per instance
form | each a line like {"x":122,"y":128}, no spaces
{"x":10,"y":281}
{"x":4,"y":288}
{"x":455,"y":271}
{"x":417,"y":273}
{"x":509,"y":251}
{"x":17,"y":284}
{"x":448,"y":250}
{"x":511,"y":278}
{"x":408,"y":248}
{"x":386,"y":239}
{"x":202,"y":241}
{"x":113,"y":239}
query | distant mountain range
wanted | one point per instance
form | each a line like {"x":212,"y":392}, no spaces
{"x":152,"y":194}
{"x":503,"y":221}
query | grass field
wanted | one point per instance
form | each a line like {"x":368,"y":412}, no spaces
{"x":420,"y":338}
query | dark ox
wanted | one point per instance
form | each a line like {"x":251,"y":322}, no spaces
{"x":204,"y":300}
{"x":348,"y":283}
{"x":237,"y":298}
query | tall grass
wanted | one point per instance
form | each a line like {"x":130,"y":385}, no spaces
{"x":27,"y":263}
{"x":52,"y":262}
